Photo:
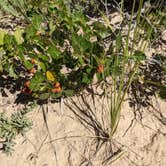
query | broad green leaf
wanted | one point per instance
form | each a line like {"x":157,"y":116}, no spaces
{"x":34,"y":85}
{"x":86,"y":79}
{"x":37,"y":82}
{"x":56,"y":95}
{"x":18,"y":35}
{"x":68,"y":92}
{"x":99,"y":27}
{"x":163,"y":21}
{"x":81,"y":44}
{"x":88,"y":70}
{"x":99,"y":76}
{"x":44,"y":96}
{"x":58,"y":36}
{"x":28,"y":65}
{"x":52,"y":26}
{"x":54,"y":52}
{"x":44,"y":57}
{"x":6,"y":67}
{"x":116,"y":70}
{"x":39,"y":76}
{"x":43,"y":66}
{"x":81,"y":61}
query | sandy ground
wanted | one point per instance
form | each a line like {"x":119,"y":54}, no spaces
{"x":75,"y":134}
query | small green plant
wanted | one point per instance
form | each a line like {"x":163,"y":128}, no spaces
{"x":12,"y":126}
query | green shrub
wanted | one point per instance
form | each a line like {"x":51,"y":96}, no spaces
{"x":57,"y":47}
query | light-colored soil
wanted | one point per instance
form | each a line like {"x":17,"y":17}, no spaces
{"x":74,"y":134}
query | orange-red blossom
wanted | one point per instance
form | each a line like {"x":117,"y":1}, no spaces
{"x":57,"y":88}
{"x":100,"y":68}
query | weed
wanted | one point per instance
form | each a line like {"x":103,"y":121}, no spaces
{"x":12,"y":126}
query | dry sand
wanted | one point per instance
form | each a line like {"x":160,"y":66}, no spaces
{"x":74,"y":129}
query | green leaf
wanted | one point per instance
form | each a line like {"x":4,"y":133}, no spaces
{"x":99,"y":27}
{"x":44,"y":96}
{"x":163,"y":21}
{"x":81,"y":61}
{"x":18,"y":35}
{"x":101,"y":30}
{"x":86,"y":79}
{"x":68,"y":92}
{"x":138,"y":56}
{"x":21,"y":52}
{"x":6,"y":67}
{"x":37,"y":82}
{"x":2,"y":34}
{"x":54,"y":52}
{"x":44,"y":57}
{"x":116,"y":70}
{"x":56,"y":95}
{"x":9,"y":42}
{"x":58,"y":36}
{"x":99,"y":76}
{"x":36,"y":21}
{"x":43,"y":66}
{"x":88,"y":70}
{"x":118,"y":41}
{"x":12,"y":72}
{"x":81,"y":44}
{"x":30,"y":32}
{"x":39,"y":77}
{"x":28,"y":65}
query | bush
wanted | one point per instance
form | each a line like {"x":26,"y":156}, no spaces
{"x":59,"y":47}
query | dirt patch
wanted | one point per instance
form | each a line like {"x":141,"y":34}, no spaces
{"x":75,"y":132}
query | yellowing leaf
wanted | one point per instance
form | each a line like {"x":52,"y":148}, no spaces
{"x":50,"y":76}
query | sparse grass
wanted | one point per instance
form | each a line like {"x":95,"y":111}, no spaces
{"x":129,"y":54}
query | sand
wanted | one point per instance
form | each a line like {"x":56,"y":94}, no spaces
{"x":75,"y":133}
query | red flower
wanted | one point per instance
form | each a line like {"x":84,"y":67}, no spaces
{"x":56,"y":90}
{"x":100,"y":68}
